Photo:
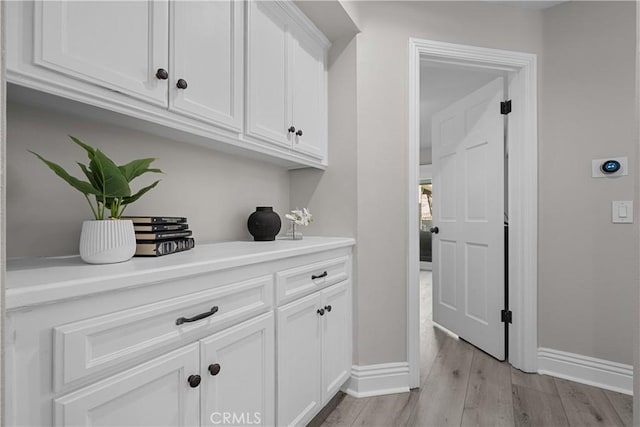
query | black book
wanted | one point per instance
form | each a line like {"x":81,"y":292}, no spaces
{"x":156,"y":219}
{"x":161,"y":235}
{"x":164,"y":247}
{"x":149,"y":228}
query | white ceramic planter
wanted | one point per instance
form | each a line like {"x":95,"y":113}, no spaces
{"x":107,"y":241}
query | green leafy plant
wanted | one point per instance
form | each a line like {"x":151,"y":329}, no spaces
{"x":108,"y":183}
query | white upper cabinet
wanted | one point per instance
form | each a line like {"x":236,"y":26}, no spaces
{"x":241,"y":76}
{"x":308,"y":87}
{"x":206,"y":70}
{"x":286,"y":79}
{"x":77,"y":38}
{"x":268,"y":96}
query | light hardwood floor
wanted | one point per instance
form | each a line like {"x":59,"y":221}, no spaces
{"x":462,"y":386}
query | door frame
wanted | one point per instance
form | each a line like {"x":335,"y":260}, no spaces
{"x":522,"y":146}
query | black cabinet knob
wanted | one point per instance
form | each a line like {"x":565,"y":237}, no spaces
{"x":292,"y":129}
{"x":162,"y":74}
{"x":214,"y":369}
{"x":194,"y":380}
{"x":299,"y":133}
{"x":328,"y":308}
{"x":321,"y":311}
{"x":435,"y":230}
{"x":181,"y":84}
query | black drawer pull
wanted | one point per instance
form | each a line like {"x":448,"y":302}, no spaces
{"x":328,"y":308}
{"x":319,"y":276}
{"x":181,"y":320}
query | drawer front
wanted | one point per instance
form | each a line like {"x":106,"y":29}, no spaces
{"x":297,"y":282}
{"x":89,"y":346}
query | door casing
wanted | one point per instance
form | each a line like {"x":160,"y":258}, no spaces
{"x":522,"y":193}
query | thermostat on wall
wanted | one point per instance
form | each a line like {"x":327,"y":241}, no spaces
{"x":609,"y":167}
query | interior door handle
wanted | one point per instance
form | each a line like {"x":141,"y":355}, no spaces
{"x":435,"y":230}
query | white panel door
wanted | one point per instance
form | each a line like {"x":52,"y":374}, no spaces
{"x":238,"y":372}
{"x":308,"y":95}
{"x":468,"y":193}
{"x":268,"y":70}
{"x":336,"y":339}
{"x":206,"y":52}
{"x":299,"y":364}
{"x":156,"y":393}
{"x":118,"y":45}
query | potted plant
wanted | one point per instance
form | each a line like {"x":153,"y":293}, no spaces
{"x":107,"y":239}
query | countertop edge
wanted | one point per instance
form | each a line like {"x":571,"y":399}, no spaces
{"x":29,"y":296}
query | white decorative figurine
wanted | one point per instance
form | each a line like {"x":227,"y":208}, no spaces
{"x":298,"y":217}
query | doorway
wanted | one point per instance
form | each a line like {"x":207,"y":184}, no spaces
{"x":462,"y":141}
{"x":520,"y":82}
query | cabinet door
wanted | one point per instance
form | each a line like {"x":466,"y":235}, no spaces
{"x":268,"y":94}
{"x":299,"y":366}
{"x":238,"y":372}
{"x":308,"y":94}
{"x":206,"y":52}
{"x":118,"y":45}
{"x":155,"y":393}
{"x":336,"y":344}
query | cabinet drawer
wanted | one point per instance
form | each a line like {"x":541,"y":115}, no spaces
{"x":300,"y":281}
{"x":89,"y":346}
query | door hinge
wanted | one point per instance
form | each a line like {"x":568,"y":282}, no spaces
{"x":505,"y":316}
{"x":505,"y":107}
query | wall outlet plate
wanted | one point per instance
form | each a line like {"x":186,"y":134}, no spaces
{"x":596,"y":164}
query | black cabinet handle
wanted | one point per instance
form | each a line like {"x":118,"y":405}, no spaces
{"x":162,"y":74}
{"x":320,"y":311}
{"x":328,"y":308}
{"x":194,"y":381}
{"x":214,"y":369}
{"x":299,"y":133}
{"x":319,"y":276}
{"x":181,"y":84}
{"x":181,"y":320}
{"x":292,"y":129}
{"x":434,"y":230}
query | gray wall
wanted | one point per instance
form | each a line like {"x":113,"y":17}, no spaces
{"x":382,"y":143}
{"x":586,"y":95}
{"x":587,"y":270}
{"x":216,"y":191}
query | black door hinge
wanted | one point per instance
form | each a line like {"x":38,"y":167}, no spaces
{"x":505,"y":316}
{"x":505,"y":107}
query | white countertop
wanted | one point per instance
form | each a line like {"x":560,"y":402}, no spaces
{"x":33,"y":281}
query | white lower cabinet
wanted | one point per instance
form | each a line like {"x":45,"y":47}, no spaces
{"x":336,"y":333}
{"x":154,"y":393}
{"x":227,"y":378}
{"x":238,"y":375}
{"x":314,"y":352}
{"x":250,"y":344}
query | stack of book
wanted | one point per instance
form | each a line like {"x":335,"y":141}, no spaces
{"x":157,"y":236}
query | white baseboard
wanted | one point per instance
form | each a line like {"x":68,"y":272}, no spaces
{"x":586,"y":370}
{"x":378,"y":380}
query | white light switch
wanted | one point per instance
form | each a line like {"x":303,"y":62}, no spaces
{"x":622,"y":212}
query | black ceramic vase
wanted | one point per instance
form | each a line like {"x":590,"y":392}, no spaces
{"x":264,"y":224}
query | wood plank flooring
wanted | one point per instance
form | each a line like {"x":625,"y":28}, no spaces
{"x":462,"y":386}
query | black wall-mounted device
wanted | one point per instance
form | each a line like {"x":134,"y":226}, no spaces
{"x":610,"y":166}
